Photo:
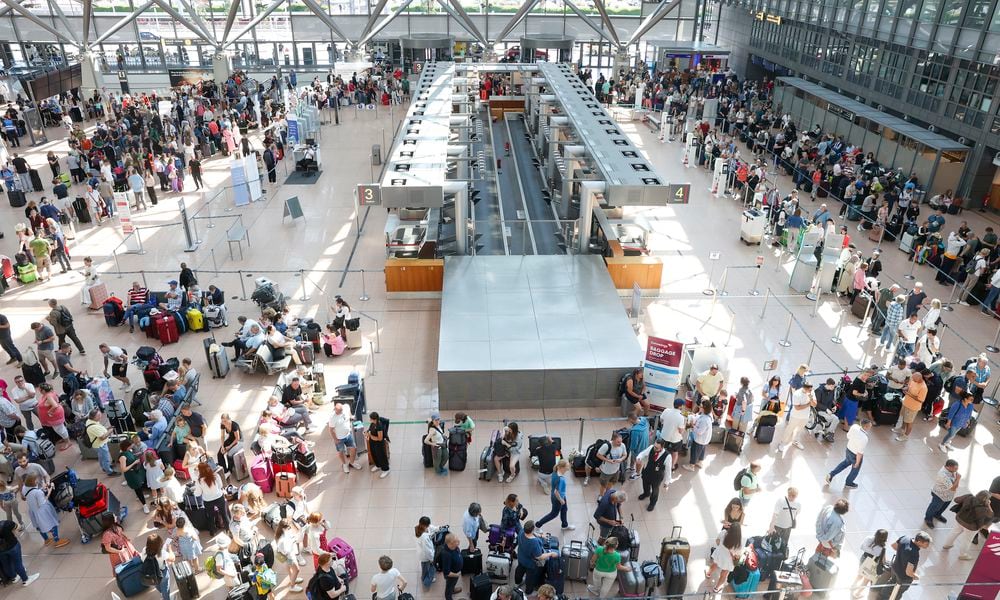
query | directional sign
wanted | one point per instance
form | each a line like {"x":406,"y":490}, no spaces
{"x":678,"y":193}
{"x":369,"y":194}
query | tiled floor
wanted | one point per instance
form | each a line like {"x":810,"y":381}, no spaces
{"x":377,"y":515}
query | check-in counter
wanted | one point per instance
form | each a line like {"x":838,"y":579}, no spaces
{"x":414,"y":274}
{"x":647,"y":271}
{"x":503,"y":104}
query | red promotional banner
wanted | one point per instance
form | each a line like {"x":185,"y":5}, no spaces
{"x":664,"y":352}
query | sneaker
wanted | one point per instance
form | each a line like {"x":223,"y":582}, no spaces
{"x":11,"y":361}
{"x":929,"y":524}
{"x":145,"y":508}
{"x":31,"y":579}
{"x":586,"y":480}
{"x":964,"y":303}
{"x":798,"y":445}
{"x":374,"y":469}
{"x":510,"y":479}
{"x":852,"y":486}
{"x":942,"y":448}
{"x":965,"y":557}
{"x":298,"y":580}
{"x":124,"y":483}
{"x":384,"y":475}
{"x":593,"y":590}
{"x":947,"y":547}
{"x":295,"y":589}
{"x":356,"y":465}
{"x":48,"y":542}
{"x":346,"y":468}
{"x":897,"y":430}
{"x":828,"y":479}
{"x":633,"y":476}
{"x":61,"y":543}
{"x":569,"y":528}
{"x":950,"y":447}
{"x":83,"y":353}
{"x":901,"y":438}
{"x":688,"y":467}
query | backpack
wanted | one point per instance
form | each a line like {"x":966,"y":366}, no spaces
{"x":738,"y":482}
{"x":623,"y":383}
{"x":85,"y":439}
{"x":149,"y":572}
{"x":651,"y":571}
{"x":212,"y":568}
{"x":313,"y":589}
{"x":65,"y":319}
{"x":592,"y":460}
{"x":39,"y":448}
{"x":437,"y":540}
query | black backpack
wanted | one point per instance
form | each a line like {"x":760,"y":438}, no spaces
{"x":592,"y":460}
{"x":738,"y":482}
{"x":438,"y":541}
{"x":150,"y":573}
{"x":623,"y":383}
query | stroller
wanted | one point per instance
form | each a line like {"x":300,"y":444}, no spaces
{"x":822,"y":424}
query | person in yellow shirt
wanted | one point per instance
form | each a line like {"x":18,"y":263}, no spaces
{"x":913,"y":400}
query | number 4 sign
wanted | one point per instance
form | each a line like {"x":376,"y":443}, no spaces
{"x":678,"y":193}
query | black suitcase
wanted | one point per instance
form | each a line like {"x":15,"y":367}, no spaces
{"x":733,"y":442}
{"x":764,"y":434}
{"x":17,"y":199}
{"x":480,"y":587}
{"x":187,"y":582}
{"x":81,"y":210}
{"x":36,"y":180}
{"x":969,"y":428}
{"x":887,"y":408}
{"x":427,"y":451}
{"x":472,"y":562}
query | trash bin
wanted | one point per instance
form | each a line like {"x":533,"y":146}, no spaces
{"x":376,"y":154}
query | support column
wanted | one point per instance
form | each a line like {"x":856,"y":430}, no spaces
{"x":222,"y":66}
{"x":90,"y":72}
{"x":623,"y":60}
{"x":587,"y":191}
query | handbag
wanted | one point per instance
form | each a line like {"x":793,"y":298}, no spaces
{"x":827,"y":552}
{"x":869,"y":568}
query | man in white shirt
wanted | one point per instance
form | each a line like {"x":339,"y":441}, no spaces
{"x":785,"y":516}
{"x":672,"y":430}
{"x":909,"y":331}
{"x":952,"y":248}
{"x":118,"y":360}
{"x":898,"y":375}
{"x":387,"y":584}
{"x":342,"y":430}
{"x":803,"y":401}
{"x":857,"y":441}
{"x":611,"y":454}
{"x":975,"y":270}
{"x":24,"y":396}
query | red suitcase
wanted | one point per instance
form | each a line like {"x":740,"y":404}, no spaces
{"x":985,"y":571}
{"x":283,"y":467}
{"x":166,"y":329}
{"x":94,"y":502}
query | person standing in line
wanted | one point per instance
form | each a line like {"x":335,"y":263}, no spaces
{"x":451,"y":566}
{"x":115,"y":542}
{"x":387,"y":584}
{"x":857,"y":440}
{"x":913,"y":401}
{"x":424,"y":532}
{"x":872,"y":562}
{"x":672,"y":430}
{"x":435,"y":439}
{"x":157,"y":549}
{"x":342,"y":430}
{"x":908,"y":331}
{"x":742,"y":415}
{"x":943,"y":492}
{"x":975,"y":269}
{"x":974,"y":514}
{"x":378,"y":445}
{"x":749,"y":482}
{"x":959,"y":415}
{"x":325,"y":584}
{"x":727,"y":547}
{"x":7,"y":343}
{"x":41,"y":248}
{"x":45,"y":340}
{"x":531,"y":557}
{"x":558,"y":497}
{"x":10,"y":554}
{"x":99,"y":435}
{"x":43,"y":515}
{"x":803,"y":401}
{"x":785,"y":515}
{"x":830,"y":528}
{"x":130,"y":464}
{"x":894,"y":315}
{"x":638,"y":440}
{"x":655,"y":465}
{"x":611,"y":454}
{"x":701,"y":436}
{"x":606,"y":561}
{"x":904,"y":565}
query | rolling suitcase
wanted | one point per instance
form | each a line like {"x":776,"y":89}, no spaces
{"x":17,"y":199}
{"x":81,"y":210}
{"x":675,"y":544}
{"x":631,"y":583}
{"x":33,"y":374}
{"x":187,"y":583}
{"x":428,"y":455}
{"x":342,"y":550}
{"x":263,"y":474}
{"x":166,"y":329}
{"x":354,"y":338}
{"x":498,"y":566}
{"x":240,"y":470}
{"x":472,"y":562}
{"x":195,"y":320}
{"x":283,"y":484}
{"x":480,"y":587}
{"x":218,"y":359}
{"x":822,"y":572}
{"x":733,"y":441}
{"x":98,"y":294}
{"x":359,"y":438}
{"x":676,"y":575}
{"x":36,"y":180}
{"x":305,"y":463}
{"x":860,"y":306}
{"x":887,"y":408}
{"x":128,"y":576}
{"x":576,"y":561}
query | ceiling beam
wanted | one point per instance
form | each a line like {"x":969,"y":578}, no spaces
{"x":27,"y":14}
{"x":319,"y":12}
{"x":208,"y":31}
{"x":253,"y":22}
{"x":382,"y":24}
{"x":463,"y":20}
{"x":7,"y":9}
{"x":234,"y":7}
{"x":519,"y":16}
{"x":123,"y":22}
{"x":88,"y":12}
{"x":661,"y":10}
{"x":373,"y":17}
{"x":57,"y":10}
{"x":607,"y":20}
{"x":601,"y":31}
{"x":185,"y":22}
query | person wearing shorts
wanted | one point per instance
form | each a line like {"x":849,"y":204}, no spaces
{"x":118,"y":360}
{"x":913,"y":401}
{"x":611,"y":454}
{"x":342,"y":430}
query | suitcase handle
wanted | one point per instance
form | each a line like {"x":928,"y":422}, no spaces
{"x":675,"y":532}
{"x":575,"y":545}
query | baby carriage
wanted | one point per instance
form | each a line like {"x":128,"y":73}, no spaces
{"x":822,"y":424}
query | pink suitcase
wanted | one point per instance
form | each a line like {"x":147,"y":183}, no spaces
{"x":262,"y":473}
{"x":98,"y":294}
{"x":985,"y":571}
{"x":341,"y":549}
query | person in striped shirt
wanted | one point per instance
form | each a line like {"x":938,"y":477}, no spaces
{"x":138,"y":300}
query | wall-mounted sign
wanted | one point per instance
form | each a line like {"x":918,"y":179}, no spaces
{"x":678,"y":193}
{"x":840,"y":112}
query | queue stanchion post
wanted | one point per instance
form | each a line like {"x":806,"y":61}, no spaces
{"x":913,"y":263}
{"x":811,"y":350}
{"x":995,"y":346}
{"x":302,"y":276}
{"x":243,"y":288}
{"x":785,"y":342}
{"x":767,"y":296}
{"x":756,"y":278}
{"x":722,"y":283}
{"x":364,"y":290}
{"x":840,"y":327}
{"x":951,"y":297}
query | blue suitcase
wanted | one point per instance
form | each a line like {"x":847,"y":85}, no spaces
{"x":128,"y":577}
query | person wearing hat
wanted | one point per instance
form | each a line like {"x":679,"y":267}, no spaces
{"x":974,"y":269}
{"x":435,"y":439}
{"x":174,"y":298}
{"x":875,"y":263}
{"x":262,"y":577}
{"x":803,"y":401}
{"x":226,"y":564}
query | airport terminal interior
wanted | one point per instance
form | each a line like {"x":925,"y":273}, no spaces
{"x":559,"y":218}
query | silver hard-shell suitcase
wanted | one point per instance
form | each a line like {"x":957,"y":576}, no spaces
{"x":576,"y":561}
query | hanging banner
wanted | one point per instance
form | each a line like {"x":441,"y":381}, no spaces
{"x":293,"y":129}
{"x":662,"y":371}
{"x":253,"y":177}
{"x":123,"y":211}
{"x":238,"y":174}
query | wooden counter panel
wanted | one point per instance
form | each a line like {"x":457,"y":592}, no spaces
{"x":414,"y":275}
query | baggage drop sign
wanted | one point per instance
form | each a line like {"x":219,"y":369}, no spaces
{"x":662,"y":371}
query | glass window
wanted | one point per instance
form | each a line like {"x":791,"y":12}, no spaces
{"x":929,"y":13}
{"x":888,"y":10}
{"x":995,"y":23}
{"x":909,"y":9}
{"x":886,"y":152}
{"x":979,"y":12}
{"x":952,"y":12}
